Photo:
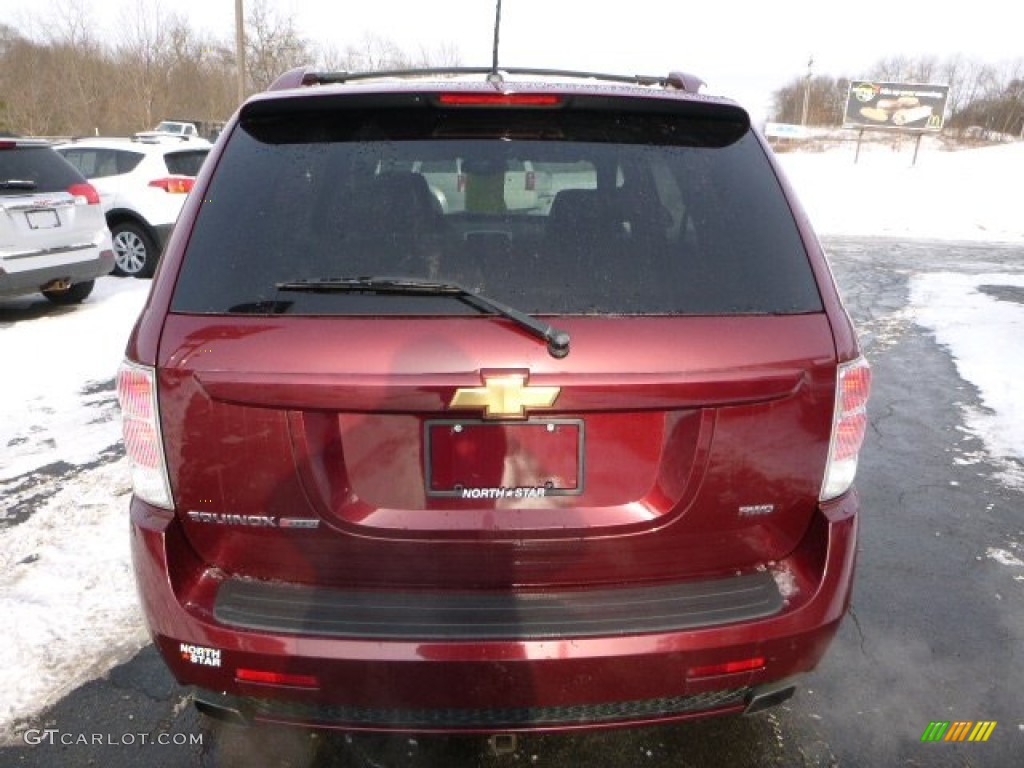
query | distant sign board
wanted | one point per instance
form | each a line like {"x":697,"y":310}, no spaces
{"x":785,"y":131}
{"x":900,"y":106}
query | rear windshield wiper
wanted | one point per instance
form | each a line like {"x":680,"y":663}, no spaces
{"x":558,"y":340}
{"x":26,"y":184}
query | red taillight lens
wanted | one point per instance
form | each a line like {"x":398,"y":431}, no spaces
{"x":500,"y":99}
{"x":461,"y":182}
{"x":849,"y":427}
{"x":266,"y":677}
{"x":176,"y":185}
{"x":136,"y":392}
{"x":87,"y":192}
{"x":855,"y":383}
{"x":728,"y":667}
{"x":531,"y":181}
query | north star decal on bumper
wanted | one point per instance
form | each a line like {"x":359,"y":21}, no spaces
{"x":198,"y":654}
{"x":252,"y":521}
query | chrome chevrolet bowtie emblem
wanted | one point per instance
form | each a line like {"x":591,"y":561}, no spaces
{"x":504,"y":397}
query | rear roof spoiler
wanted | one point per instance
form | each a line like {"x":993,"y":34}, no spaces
{"x":302,"y":76}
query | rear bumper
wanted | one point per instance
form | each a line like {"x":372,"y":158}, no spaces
{"x":450,"y":684}
{"x":76,"y":267}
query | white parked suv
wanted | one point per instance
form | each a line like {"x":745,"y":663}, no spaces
{"x":53,"y":238}
{"x":142,"y":185}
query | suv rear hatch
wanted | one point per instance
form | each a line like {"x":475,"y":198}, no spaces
{"x":329,"y":430}
{"x":49,"y":215}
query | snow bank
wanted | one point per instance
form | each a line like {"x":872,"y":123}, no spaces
{"x":67,"y":593}
{"x":970,"y":194}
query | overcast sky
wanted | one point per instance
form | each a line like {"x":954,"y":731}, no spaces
{"x":745,"y":49}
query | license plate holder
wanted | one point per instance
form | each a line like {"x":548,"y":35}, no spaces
{"x":43,"y":218}
{"x":503,"y":460}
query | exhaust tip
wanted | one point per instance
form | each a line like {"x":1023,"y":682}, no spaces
{"x":768,"y":696}
{"x":60,"y":284}
{"x":220,"y":712}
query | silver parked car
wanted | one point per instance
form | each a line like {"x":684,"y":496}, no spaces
{"x":53,"y":237}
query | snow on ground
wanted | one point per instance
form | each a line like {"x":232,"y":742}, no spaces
{"x":66,"y":588}
{"x":67,"y":593}
{"x":965,"y":195}
{"x":980,"y":319}
{"x":70,"y":353}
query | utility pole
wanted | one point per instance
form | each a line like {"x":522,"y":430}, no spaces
{"x":807,"y":91}
{"x":240,"y":49}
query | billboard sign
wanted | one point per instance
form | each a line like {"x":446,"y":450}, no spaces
{"x":899,"y":106}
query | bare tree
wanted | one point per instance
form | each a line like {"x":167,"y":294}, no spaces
{"x":891,"y":68}
{"x":962,"y":77}
{"x":826,"y":100}
{"x":22,"y":109}
{"x":272,"y":45}
{"x":69,"y":78}
{"x":147,"y":46}
{"x":200,"y":79}
{"x":374,"y":53}
{"x":994,"y":103}
{"x":68,"y":24}
{"x":76,"y":70}
{"x":442,"y":55}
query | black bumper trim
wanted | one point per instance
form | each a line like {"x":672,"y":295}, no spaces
{"x":511,"y":615}
{"x":246,"y":710}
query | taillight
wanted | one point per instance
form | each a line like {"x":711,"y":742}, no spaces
{"x":728,"y":667}
{"x":531,"y":181}
{"x":461,"y":182}
{"x":266,"y":677}
{"x":140,"y":423}
{"x":85,"y":192}
{"x":176,"y":185}
{"x":849,"y":426}
{"x":500,"y":99}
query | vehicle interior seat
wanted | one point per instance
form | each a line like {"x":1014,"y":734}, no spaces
{"x":391,"y":225}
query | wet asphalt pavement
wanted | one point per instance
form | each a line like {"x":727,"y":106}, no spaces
{"x":936,"y":631}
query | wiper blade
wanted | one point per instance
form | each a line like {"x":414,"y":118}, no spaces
{"x":26,"y":184}
{"x":558,"y":340}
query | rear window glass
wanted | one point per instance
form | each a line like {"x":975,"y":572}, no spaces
{"x":100,"y":163}
{"x":42,"y":166}
{"x":552,"y":212}
{"x":185,"y":163}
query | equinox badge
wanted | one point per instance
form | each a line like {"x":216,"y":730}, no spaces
{"x":504,"y":397}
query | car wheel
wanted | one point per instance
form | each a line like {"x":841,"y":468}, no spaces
{"x":73,"y":295}
{"x":134,"y":251}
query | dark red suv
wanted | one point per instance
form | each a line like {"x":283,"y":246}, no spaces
{"x":492,"y":402}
